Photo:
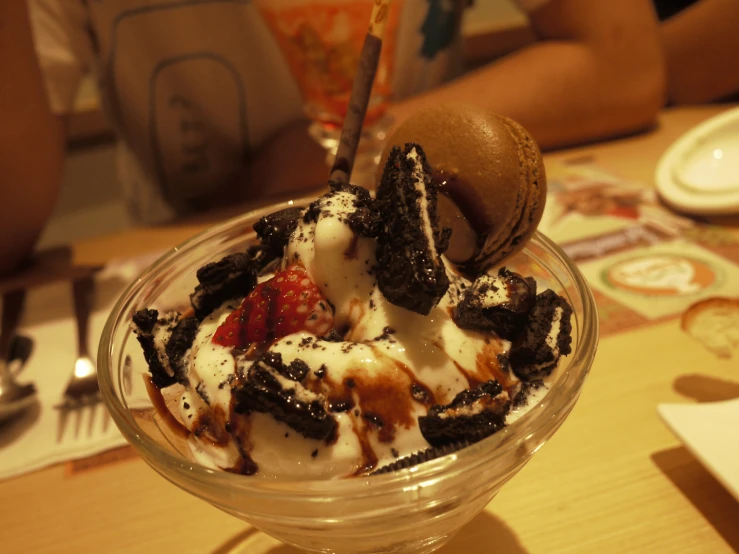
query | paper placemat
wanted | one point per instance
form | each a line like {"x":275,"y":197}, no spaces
{"x":42,"y":436}
{"x":644,"y":263}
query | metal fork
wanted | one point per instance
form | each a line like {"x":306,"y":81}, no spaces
{"x":82,"y":388}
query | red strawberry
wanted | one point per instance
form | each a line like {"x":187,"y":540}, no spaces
{"x":287,"y":303}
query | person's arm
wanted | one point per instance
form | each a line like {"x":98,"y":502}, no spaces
{"x":596,"y":70}
{"x":290,"y":164}
{"x":701,"y":43}
{"x":31,"y":140}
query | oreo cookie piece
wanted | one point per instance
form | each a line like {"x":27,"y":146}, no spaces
{"x":410,"y":271}
{"x":180,"y":342}
{"x":153,"y":334}
{"x":421,"y":456}
{"x":498,"y":303}
{"x":521,"y":398}
{"x":296,"y":371}
{"x":144,"y":320}
{"x":471,"y":416}
{"x":362,"y":216}
{"x":230,"y":277}
{"x":365,"y":221}
{"x":269,"y":387}
{"x":547,"y":337}
{"x":274,"y":231}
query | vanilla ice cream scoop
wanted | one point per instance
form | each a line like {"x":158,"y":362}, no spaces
{"x":346,"y":342}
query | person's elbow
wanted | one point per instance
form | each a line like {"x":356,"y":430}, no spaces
{"x":644,"y":95}
{"x":637,"y":88}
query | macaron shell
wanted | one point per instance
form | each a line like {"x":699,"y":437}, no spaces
{"x":467,"y":143}
{"x":495,"y":248}
{"x":534,"y":185}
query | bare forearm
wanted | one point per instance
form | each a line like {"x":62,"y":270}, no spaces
{"x":596,"y":70}
{"x":701,"y":45}
{"x":31,"y":140}
{"x":557,"y":90}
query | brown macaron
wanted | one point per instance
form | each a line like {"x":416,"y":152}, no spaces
{"x":491,"y":176}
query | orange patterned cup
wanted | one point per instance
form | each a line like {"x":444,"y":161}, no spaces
{"x":321,"y":41}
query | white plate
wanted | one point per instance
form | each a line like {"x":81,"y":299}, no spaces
{"x":711,"y":432}
{"x":699,"y":173}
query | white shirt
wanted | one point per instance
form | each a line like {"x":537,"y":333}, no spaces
{"x":193,"y":86}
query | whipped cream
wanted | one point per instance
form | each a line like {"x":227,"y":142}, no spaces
{"x":390,"y":367}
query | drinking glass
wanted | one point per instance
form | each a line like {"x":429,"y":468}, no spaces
{"x":322,"y":41}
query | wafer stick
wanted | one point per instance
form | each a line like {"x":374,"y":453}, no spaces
{"x":361,"y":88}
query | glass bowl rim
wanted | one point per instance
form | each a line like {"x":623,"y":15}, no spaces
{"x":481,"y":453}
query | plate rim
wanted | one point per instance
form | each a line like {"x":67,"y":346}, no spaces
{"x":680,"y":199}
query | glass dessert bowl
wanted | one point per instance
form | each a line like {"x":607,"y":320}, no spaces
{"x":409,"y":510}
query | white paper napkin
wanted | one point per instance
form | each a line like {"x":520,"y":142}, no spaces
{"x":36,"y":439}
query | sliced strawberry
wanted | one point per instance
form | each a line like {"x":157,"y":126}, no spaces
{"x":287,"y":303}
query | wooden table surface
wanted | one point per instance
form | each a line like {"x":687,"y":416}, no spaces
{"x":612,"y":480}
